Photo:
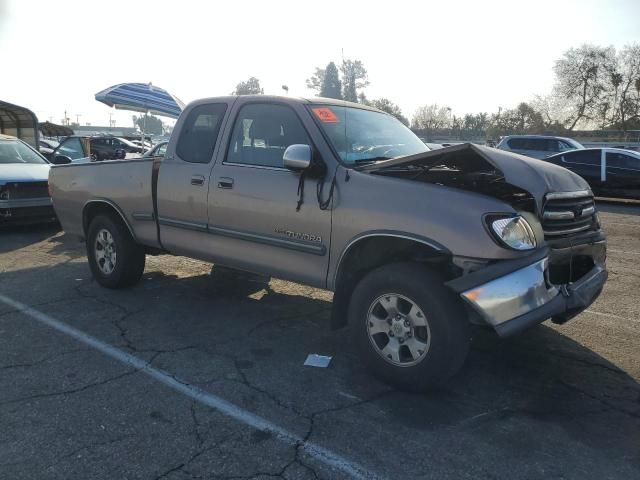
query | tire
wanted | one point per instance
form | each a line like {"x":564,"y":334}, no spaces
{"x":428,"y":334}
{"x":121,"y":263}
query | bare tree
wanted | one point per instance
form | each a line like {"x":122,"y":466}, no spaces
{"x":431,"y":117}
{"x":621,"y":100}
{"x":581,"y":76}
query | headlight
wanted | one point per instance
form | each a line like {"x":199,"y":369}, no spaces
{"x":514,"y":232}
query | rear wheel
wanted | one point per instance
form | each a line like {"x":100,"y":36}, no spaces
{"x":115,"y":259}
{"x":411,"y":330}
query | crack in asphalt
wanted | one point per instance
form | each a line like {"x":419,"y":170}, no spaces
{"x":44,"y":359}
{"x":70,"y":391}
{"x":608,"y":404}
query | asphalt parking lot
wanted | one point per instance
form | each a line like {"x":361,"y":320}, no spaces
{"x":197,"y":372}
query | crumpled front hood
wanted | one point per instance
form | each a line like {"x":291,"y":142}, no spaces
{"x":24,"y":172}
{"x":534,"y":176}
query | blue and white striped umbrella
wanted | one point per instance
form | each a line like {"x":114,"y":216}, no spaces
{"x":141,"y":97}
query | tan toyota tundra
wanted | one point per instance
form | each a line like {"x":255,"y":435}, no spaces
{"x":417,"y":245}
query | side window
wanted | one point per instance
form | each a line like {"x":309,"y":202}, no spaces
{"x":584,"y":157}
{"x":620,"y":160}
{"x":261,"y":134}
{"x":550,"y":145}
{"x":517,"y":143}
{"x":539,"y":144}
{"x":162,"y":150}
{"x":199,"y":133}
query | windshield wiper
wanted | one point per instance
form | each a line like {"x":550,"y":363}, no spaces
{"x":366,"y":161}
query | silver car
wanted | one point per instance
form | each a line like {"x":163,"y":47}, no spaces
{"x":537,"y":146}
{"x":24,"y":193}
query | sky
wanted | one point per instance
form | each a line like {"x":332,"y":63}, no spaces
{"x":470,"y":55}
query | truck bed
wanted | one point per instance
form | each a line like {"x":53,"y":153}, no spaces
{"x":124,"y":184}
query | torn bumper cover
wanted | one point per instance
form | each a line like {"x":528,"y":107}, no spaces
{"x":514,"y":295}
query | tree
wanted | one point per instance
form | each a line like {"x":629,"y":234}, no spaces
{"x":149,"y":124}
{"x":391,"y":108}
{"x":524,"y":119}
{"x":331,"y":86}
{"x":620,"y":102}
{"x":431,"y":117}
{"x":354,"y":78}
{"x":581,"y":75}
{"x":316,"y":80}
{"x":250,"y":87}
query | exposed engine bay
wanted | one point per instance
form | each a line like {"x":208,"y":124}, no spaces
{"x":465,"y":169}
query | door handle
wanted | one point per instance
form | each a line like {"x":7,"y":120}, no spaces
{"x":197,"y":180}
{"x":225,"y":182}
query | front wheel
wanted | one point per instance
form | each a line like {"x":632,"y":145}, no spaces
{"x":115,"y":259}
{"x":412,"y":331}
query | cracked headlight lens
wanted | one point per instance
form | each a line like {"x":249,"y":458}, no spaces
{"x":514,"y":232}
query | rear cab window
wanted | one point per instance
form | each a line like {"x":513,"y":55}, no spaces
{"x":199,"y":132}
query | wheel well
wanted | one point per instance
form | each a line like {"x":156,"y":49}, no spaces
{"x":373,"y":252}
{"x":92,"y":209}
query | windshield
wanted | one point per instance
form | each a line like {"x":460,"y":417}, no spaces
{"x":361,"y":136}
{"x":14,"y":151}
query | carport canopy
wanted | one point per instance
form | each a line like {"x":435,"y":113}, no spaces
{"x":19,"y":122}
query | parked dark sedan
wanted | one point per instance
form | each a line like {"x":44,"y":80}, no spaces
{"x":109,"y":148}
{"x":611,"y":172}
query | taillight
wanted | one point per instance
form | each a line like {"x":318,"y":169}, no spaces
{"x":50,"y":189}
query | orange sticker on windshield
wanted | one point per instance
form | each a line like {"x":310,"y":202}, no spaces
{"x":325,"y":115}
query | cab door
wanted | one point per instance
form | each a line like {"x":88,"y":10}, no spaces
{"x":253,"y":214}
{"x":586,"y":163}
{"x":183,"y":180}
{"x":623,"y":174}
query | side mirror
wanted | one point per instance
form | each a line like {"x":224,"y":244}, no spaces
{"x":61,"y":160}
{"x":297,"y":157}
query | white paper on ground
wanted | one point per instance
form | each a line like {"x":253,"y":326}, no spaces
{"x":315,"y":360}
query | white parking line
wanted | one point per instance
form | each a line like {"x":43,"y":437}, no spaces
{"x":323,"y":455}
{"x":612,"y":315}
{"x":622,"y":251}
{"x":606,"y":222}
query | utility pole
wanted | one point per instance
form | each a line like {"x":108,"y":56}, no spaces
{"x":78,"y":115}
{"x":110,"y":121}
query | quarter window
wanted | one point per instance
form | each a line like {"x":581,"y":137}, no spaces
{"x":262,"y":133}
{"x":199,"y":133}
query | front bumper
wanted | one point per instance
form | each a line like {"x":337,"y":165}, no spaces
{"x":514,"y":295}
{"x":28,"y":210}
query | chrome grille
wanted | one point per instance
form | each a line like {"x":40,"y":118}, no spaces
{"x":568,"y":213}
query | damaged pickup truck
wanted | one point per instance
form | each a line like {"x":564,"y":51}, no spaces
{"x":416,"y":245}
